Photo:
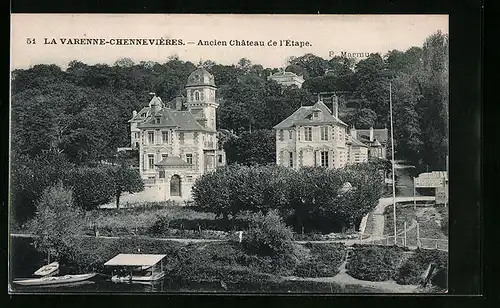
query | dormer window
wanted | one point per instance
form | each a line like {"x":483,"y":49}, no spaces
{"x":157,"y":120}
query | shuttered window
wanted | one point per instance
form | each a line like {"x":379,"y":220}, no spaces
{"x":324,"y":133}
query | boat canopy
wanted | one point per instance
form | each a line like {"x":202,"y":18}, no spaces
{"x":135,"y":260}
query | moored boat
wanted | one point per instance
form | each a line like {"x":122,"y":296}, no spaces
{"x":140,"y":267}
{"x":48,"y":270}
{"x":53,"y":280}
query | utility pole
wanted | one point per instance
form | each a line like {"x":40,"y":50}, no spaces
{"x":414,"y":194}
{"x":393,"y":169}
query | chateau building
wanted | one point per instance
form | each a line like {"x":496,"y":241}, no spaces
{"x":178,"y":141}
{"x":312,"y":136}
{"x":315,"y":136}
{"x":287,"y":78}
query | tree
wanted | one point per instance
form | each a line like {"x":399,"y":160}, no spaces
{"x":124,"y":62}
{"x":30,"y":177}
{"x":126,"y":180}
{"x":252,"y":148}
{"x":434,"y":87}
{"x":371,"y":82}
{"x":211,"y":192}
{"x":91,"y":186}
{"x":57,"y":221}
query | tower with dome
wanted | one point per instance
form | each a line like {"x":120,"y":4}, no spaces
{"x":177,"y":141}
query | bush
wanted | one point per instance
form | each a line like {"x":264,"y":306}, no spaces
{"x":374,"y":263}
{"x":411,"y":272}
{"x":268,"y":235}
{"x":324,"y":262}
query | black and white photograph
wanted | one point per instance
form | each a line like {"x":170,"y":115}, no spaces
{"x":228,"y":154}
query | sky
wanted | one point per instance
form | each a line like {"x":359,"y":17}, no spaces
{"x":327,"y":35}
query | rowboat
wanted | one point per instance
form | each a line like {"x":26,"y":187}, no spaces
{"x":53,"y":280}
{"x":48,"y":270}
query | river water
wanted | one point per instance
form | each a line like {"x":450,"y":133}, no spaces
{"x":26,"y":260}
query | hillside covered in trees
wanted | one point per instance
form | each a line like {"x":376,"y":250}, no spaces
{"x":82,"y":112}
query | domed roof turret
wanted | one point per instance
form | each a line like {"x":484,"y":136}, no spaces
{"x":200,"y":77}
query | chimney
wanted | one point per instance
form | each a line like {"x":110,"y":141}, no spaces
{"x":353,"y":132}
{"x":371,"y":133}
{"x":134,"y":113}
{"x":178,"y":103}
{"x":335,"y":106}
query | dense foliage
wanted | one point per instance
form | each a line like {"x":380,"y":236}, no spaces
{"x":57,"y":221}
{"x":374,"y":263}
{"x":91,"y":186}
{"x":413,"y":270}
{"x":83,"y":111}
{"x":252,"y":148}
{"x":268,"y":235}
{"x":324,"y":261}
{"x":311,"y":197}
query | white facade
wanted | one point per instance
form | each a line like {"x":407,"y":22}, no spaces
{"x":312,"y":136}
{"x":287,"y":79}
{"x":177,"y":145}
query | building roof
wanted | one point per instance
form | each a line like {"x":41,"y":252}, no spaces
{"x":139,"y":116}
{"x":172,"y":161}
{"x":376,"y":143}
{"x":200,"y":77}
{"x":301,"y":117}
{"x":381,"y":134}
{"x":355,"y":142}
{"x":284,"y":74}
{"x":135,"y":260}
{"x":181,"y":119}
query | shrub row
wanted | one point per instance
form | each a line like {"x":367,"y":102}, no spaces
{"x":412,"y":271}
{"x":325,"y":260}
{"x":380,"y":263}
{"x":374,"y":263}
{"x":313,"y":198}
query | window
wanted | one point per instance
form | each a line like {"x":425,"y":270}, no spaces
{"x":281,"y":135}
{"x":290,"y":134}
{"x":181,"y":138}
{"x":189,"y":158}
{"x":308,"y":133}
{"x":151,"y":137}
{"x":161,"y":174}
{"x":220,"y":159}
{"x":151,"y":161}
{"x":189,"y":178}
{"x":164,"y":156}
{"x":290,"y":159}
{"x":157,"y":120}
{"x":324,"y":158}
{"x":196,"y":95}
{"x":137,"y":135}
{"x":315,"y":114}
{"x":324,"y":132}
{"x":164,"y":136}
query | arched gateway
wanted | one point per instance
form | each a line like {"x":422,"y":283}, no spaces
{"x":175,"y":185}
